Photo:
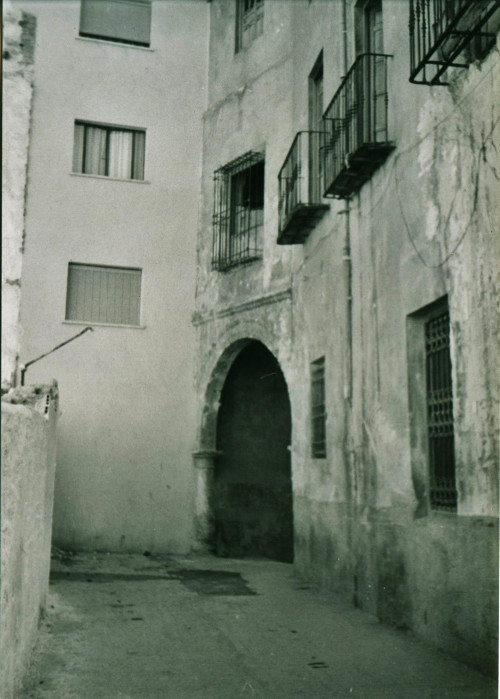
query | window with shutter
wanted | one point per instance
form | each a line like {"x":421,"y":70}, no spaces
{"x":102,"y":294}
{"x":249,"y":22}
{"x":124,"y":21}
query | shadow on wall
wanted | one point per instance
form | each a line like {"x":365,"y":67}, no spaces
{"x":253,"y":491}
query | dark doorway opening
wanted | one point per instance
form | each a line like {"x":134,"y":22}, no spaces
{"x":253,"y":490}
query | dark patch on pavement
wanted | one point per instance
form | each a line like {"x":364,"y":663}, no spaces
{"x":203,"y":582}
{"x":71,"y":576}
{"x":214,"y":582}
{"x":121,"y":606}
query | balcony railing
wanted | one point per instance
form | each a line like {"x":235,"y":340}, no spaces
{"x":449,"y":34}
{"x":357,"y":140}
{"x":300,"y":188}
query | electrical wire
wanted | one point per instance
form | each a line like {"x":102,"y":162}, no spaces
{"x":448,"y":218}
{"x":412,"y":146}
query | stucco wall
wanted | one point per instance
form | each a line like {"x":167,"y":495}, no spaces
{"x":17,"y":64}
{"x":124,"y":478}
{"x":422,"y":227}
{"x":28,"y":468}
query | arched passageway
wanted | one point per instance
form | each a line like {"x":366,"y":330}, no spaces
{"x":253,"y":492}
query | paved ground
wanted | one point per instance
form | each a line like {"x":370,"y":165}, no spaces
{"x":188,"y":628}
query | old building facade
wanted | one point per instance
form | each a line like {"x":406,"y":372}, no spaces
{"x":311,"y":379}
{"x":347,"y":269}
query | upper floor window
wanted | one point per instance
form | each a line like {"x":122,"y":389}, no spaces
{"x":109,"y":151}
{"x":249,"y":22}
{"x":238,"y":211}
{"x":124,"y":21}
{"x":102,"y":294}
{"x":356,"y":120}
{"x":300,"y":179}
{"x":316,"y":125}
{"x":369,"y":27}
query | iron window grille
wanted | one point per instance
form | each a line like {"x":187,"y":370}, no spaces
{"x":442,"y":490}
{"x":123,"y":21}
{"x":449,"y":34}
{"x":103,"y":294}
{"x":109,"y":151}
{"x":356,"y":122}
{"x":318,"y":409}
{"x":238,"y":211}
{"x":249,"y":22}
{"x":300,"y":188}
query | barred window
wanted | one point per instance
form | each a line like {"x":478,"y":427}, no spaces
{"x":124,"y":21}
{"x":102,"y":294}
{"x":109,"y":151}
{"x":249,"y":22}
{"x":238,"y":211}
{"x":318,"y":409}
{"x":442,"y":490}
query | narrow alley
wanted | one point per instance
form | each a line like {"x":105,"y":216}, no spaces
{"x":144,"y":626}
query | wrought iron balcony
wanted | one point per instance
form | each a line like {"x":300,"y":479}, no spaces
{"x":357,"y":140}
{"x":300,"y":187}
{"x":449,"y":34}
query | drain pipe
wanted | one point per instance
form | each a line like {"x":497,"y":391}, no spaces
{"x":346,"y":253}
{"x":348,"y":384}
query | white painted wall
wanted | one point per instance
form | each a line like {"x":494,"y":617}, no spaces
{"x":126,"y":431}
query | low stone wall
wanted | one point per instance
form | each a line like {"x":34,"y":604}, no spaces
{"x":29,"y":417}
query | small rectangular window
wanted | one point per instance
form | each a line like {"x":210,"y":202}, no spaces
{"x":124,"y":21}
{"x":318,"y":409}
{"x":109,"y":151}
{"x":440,"y":432}
{"x":238,"y":211}
{"x":249,"y":22}
{"x":101,"y":294}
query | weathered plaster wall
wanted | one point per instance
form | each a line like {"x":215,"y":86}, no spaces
{"x":124,"y":479}
{"x":28,"y":465}
{"x":17,"y":64}
{"x":424,"y":226}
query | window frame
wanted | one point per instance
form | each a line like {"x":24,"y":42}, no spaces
{"x":418,"y":402}
{"x":316,"y":98}
{"x":255,"y":17}
{"x":136,"y":271}
{"x":437,"y":418}
{"x":108,"y":128}
{"x":117,"y":40}
{"x":232,"y":247}
{"x":318,"y":412}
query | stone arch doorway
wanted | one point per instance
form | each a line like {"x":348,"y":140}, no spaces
{"x":252,"y":490}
